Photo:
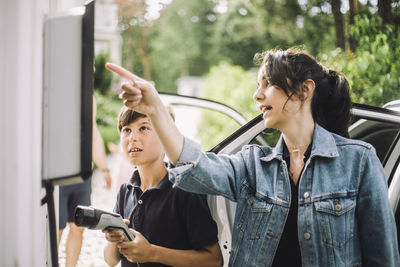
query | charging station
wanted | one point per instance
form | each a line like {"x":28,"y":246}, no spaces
{"x":67,"y":113}
{"x":68,"y":96}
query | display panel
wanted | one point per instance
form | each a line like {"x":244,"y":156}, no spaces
{"x":68,"y":95}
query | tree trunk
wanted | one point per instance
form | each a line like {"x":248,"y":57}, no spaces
{"x":339,"y":28}
{"x":353,"y":9}
{"x":385,"y":11}
{"x":143,"y":52}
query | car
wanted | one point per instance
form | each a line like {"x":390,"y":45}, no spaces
{"x":379,"y":126}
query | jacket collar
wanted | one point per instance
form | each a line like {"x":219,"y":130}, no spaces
{"x":323,"y":145}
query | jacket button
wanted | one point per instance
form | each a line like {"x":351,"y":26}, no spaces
{"x":338,"y":207}
{"x":140,"y":201}
{"x":307,"y":236}
{"x":306,"y":195}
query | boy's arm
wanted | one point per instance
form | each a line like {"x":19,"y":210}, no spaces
{"x":114,"y":237}
{"x":140,"y":250}
{"x":111,"y":254}
{"x":207,"y":256}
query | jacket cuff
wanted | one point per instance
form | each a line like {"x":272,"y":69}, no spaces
{"x":191,"y":153}
{"x":188,"y":159}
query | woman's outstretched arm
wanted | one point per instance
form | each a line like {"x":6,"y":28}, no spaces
{"x":141,"y":96}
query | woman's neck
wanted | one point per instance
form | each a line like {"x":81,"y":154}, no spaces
{"x":151,"y":174}
{"x":297,"y":139}
{"x":299,"y":134}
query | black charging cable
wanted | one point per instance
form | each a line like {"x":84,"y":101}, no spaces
{"x":49,"y":200}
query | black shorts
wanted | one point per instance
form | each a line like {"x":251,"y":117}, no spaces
{"x":70,"y":197}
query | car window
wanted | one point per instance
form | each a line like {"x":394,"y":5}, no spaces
{"x":268,"y":136}
{"x":379,"y":134}
{"x":208,"y":127}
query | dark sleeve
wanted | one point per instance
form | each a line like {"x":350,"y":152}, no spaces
{"x":200,"y":226}
{"x":119,"y":205}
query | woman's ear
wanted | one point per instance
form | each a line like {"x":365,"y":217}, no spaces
{"x":307,"y":89}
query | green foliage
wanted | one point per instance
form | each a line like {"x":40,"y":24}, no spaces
{"x":109,"y":134}
{"x":240,"y":33}
{"x":108,"y":108}
{"x":102,"y":77}
{"x":318,"y":34}
{"x":270,"y":136}
{"x":280,"y":18}
{"x":213,"y":128}
{"x":373,"y":70}
{"x":233,"y":86}
{"x":180,"y":42}
{"x":135,"y":45}
{"x":191,"y":36}
{"x":249,"y":27}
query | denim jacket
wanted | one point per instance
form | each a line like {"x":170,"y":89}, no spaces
{"x":344,"y":216}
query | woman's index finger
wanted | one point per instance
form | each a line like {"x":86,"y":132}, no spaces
{"x":123,"y":72}
{"x":119,"y":71}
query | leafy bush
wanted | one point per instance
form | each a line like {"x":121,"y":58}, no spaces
{"x":233,"y":86}
{"x":102,"y":77}
{"x":108,"y":108}
{"x":373,"y":70}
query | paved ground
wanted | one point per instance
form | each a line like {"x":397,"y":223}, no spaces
{"x":93,"y":240}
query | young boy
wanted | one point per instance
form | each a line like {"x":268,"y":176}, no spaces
{"x":171,"y":227}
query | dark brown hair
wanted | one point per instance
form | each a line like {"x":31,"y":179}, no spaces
{"x":126,"y":116}
{"x":330,"y":104}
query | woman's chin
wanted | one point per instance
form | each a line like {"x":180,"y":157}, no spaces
{"x":268,"y":123}
{"x":271,"y":125}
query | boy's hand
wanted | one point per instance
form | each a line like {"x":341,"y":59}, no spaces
{"x":138,"y":94}
{"x":138,"y":250}
{"x":115,"y":236}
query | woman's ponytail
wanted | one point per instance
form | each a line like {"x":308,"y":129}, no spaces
{"x":331,"y":103}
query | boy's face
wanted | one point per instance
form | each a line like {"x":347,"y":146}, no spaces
{"x":140,"y":142}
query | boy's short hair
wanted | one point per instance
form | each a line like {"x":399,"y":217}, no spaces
{"x":126,"y":116}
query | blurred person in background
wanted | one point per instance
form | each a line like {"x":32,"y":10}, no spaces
{"x":79,"y":194}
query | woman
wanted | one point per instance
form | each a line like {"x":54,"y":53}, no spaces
{"x":316,"y":199}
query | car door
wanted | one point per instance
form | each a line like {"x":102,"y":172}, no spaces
{"x":380,"y":127}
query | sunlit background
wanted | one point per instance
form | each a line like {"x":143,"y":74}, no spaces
{"x":206,"y":48}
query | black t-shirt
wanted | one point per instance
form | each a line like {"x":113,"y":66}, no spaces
{"x":166,"y":216}
{"x":288,"y":251}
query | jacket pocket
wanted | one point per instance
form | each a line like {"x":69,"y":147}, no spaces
{"x":336,"y":220}
{"x":254,"y":217}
